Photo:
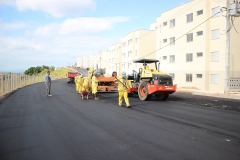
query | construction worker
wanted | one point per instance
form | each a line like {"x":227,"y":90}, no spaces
{"x":85,"y":86}
{"x":147,"y":67}
{"x":76,"y":84}
{"x":122,"y":90}
{"x":90,"y":72}
{"x":94,"y":85}
{"x":79,"y":81}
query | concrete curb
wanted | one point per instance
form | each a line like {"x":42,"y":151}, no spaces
{"x":202,"y":93}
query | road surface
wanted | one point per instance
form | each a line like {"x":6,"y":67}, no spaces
{"x":33,"y":126}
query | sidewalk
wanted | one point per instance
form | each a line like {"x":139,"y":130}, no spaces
{"x":232,"y":95}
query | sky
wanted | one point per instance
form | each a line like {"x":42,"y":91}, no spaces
{"x":57,"y":32}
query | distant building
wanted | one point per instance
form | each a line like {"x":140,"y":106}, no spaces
{"x":115,"y":58}
{"x":102,"y":60}
{"x":80,"y":62}
{"x":85,"y":61}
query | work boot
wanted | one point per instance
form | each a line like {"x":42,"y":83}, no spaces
{"x":120,"y":105}
{"x":128,"y":106}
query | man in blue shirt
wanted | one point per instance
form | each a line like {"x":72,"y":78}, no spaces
{"x":48,"y":84}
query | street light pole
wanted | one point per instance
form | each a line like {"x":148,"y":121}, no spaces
{"x":227,"y":55}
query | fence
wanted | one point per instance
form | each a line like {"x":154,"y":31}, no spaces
{"x":13,"y":81}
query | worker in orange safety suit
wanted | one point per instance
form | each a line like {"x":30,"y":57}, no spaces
{"x":122,"y":90}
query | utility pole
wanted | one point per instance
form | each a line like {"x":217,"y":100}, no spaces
{"x":227,"y":55}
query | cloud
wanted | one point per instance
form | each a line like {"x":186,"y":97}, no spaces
{"x":57,"y":8}
{"x":16,"y":25}
{"x":90,"y":25}
{"x":79,"y":26}
{"x":7,"y":2}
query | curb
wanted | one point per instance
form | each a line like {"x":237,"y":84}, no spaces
{"x":201,"y":93}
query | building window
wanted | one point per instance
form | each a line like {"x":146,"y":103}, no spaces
{"x":215,"y":34}
{"x":199,"y":12}
{"x":189,"y":57}
{"x":190,"y":17}
{"x":172,"y":23}
{"x":136,"y":40}
{"x":172,"y":40}
{"x":123,"y":55}
{"x":160,"y":29}
{"x":214,"y":78}
{"x":188,"y":77}
{"x":199,"y":33}
{"x":164,"y":57}
{"x":172,"y":75}
{"x":199,"y":75}
{"x":164,"y":23}
{"x":164,"y":40}
{"x":136,"y":53}
{"x":199,"y":54}
{"x":172,"y":58}
{"x":215,"y":56}
{"x":190,"y":37}
{"x":216,"y":12}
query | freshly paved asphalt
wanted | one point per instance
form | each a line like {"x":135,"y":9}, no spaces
{"x":33,"y":126}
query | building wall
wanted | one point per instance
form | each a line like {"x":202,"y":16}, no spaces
{"x":103,"y":60}
{"x":208,"y":70}
{"x":80,"y":62}
{"x":235,"y":50}
{"x":85,"y":61}
{"x":137,"y":44}
{"x":115,"y":58}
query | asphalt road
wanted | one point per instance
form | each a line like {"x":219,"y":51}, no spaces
{"x":33,"y":126}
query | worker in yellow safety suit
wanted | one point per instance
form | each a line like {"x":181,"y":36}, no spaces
{"x":94,"y":85}
{"x":86,"y":84}
{"x":79,"y":81}
{"x":122,"y":90}
{"x":75,"y":80}
{"x":90,"y":72}
{"x":147,"y":67}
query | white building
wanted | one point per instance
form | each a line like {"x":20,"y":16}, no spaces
{"x":85,"y":61}
{"x":195,"y":54}
{"x":80,"y":62}
{"x":115,"y":58}
{"x":137,"y":44}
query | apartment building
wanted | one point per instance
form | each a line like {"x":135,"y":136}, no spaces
{"x":192,"y":49}
{"x":102,"y":60}
{"x":80,"y":62}
{"x":91,"y":61}
{"x":115,"y":58}
{"x":85,"y":61}
{"x":135,"y":45}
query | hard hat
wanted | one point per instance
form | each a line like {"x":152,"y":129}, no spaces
{"x":123,"y":73}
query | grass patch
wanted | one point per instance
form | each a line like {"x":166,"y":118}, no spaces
{"x":58,"y":73}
